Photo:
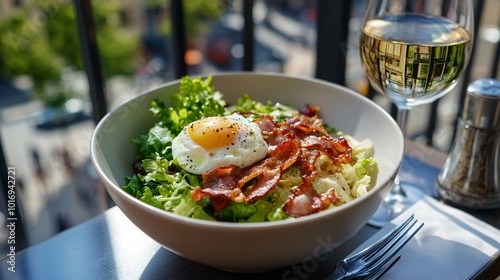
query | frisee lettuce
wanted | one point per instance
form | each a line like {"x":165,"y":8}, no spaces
{"x":196,"y":99}
{"x":157,"y":142}
{"x":163,"y":184}
{"x":279,"y":111}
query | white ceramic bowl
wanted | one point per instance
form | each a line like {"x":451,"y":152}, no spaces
{"x":253,"y":247}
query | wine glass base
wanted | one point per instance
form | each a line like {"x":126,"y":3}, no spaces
{"x":394,"y":205}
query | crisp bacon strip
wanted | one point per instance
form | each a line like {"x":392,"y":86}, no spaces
{"x":221,"y":185}
{"x":306,"y":160}
{"x":280,"y":158}
{"x":297,"y":141}
{"x":304,"y":126}
{"x":305,"y":200}
{"x":336,"y":148}
{"x":309,"y":111}
{"x":266,"y":123}
{"x":268,"y":179}
{"x":226,"y":182}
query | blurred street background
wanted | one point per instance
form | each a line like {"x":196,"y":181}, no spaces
{"x":45,"y":123}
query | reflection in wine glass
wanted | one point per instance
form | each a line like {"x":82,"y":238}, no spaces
{"x":413,"y":53}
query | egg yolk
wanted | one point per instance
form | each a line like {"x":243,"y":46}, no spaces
{"x":213,"y":132}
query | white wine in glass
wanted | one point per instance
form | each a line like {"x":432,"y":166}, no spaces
{"x":413,"y":52}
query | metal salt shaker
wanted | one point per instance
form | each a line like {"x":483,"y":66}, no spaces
{"x":471,"y":174}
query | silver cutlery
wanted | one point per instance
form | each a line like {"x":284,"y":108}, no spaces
{"x":375,"y":260}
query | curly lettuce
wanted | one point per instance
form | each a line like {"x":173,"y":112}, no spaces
{"x":160,"y":182}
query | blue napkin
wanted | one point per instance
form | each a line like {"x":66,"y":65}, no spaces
{"x":451,"y":245}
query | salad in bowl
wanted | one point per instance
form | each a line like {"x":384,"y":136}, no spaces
{"x":247,"y":162}
{"x":248,"y":172}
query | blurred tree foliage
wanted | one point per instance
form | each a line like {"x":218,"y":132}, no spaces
{"x":196,"y":14}
{"x":41,"y":39}
{"x":25,"y":50}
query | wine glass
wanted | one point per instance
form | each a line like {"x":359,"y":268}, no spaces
{"x":413,"y":52}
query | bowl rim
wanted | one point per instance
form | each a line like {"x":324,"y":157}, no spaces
{"x":234,"y":225}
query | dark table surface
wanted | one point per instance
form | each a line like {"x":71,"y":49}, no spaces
{"x":111,"y":247}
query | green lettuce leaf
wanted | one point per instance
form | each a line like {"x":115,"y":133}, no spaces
{"x":236,"y":212}
{"x":279,"y":111}
{"x":165,"y":185}
{"x":157,"y":142}
{"x":196,"y":99}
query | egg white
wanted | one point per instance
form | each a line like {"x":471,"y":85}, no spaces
{"x":247,"y":148}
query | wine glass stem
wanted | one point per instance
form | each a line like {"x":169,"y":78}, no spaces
{"x":402,"y":119}
{"x":397,"y":191}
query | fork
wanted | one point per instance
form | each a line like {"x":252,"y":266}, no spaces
{"x":374,"y":260}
